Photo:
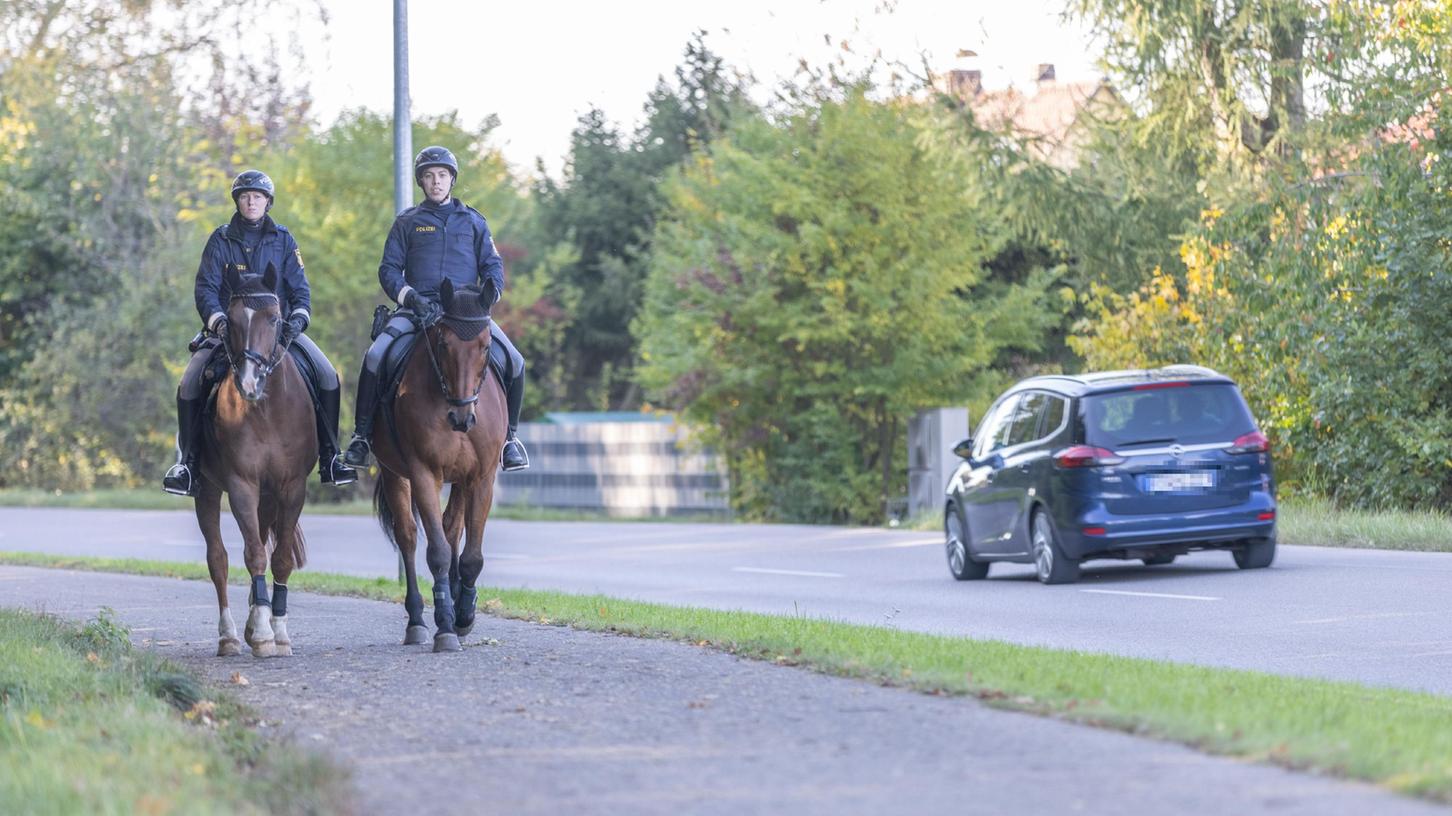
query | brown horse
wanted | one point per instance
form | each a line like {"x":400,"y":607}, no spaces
{"x":449,"y":428}
{"x":260,"y":450}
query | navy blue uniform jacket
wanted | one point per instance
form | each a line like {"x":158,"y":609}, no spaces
{"x":429,"y":243}
{"x":226,"y":247}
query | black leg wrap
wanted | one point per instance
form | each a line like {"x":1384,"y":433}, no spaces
{"x":279,"y":599}
{"x":443,"y":607}
{"x":464,"y":606}
{"x":259,"y":591}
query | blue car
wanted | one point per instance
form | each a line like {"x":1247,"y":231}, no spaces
{"x":1144,"y":465}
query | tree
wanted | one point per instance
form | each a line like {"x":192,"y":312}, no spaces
{"x":814,"y":282}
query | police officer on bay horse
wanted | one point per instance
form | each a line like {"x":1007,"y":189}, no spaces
{"x":442,"y":238}
{"x":251,"y":242}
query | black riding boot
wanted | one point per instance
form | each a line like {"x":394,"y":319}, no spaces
{"x":182,"y":478}
{"x":514,"y":456}
{"x":331,"y":468}
{"x":358,"y":450}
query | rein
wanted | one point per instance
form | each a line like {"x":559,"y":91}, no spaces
{"x":443,"y":383}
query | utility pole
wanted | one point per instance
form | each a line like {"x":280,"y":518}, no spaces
{"x":402,"y":124}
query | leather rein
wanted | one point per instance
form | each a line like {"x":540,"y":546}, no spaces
{"x":265,"y":365}
{"x":457,"y":402}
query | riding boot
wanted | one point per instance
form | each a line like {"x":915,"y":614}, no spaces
{"x":182,"y":478}
{"x":514,"y":457}
{"x":331,"y":468}
{"x":367,"y":403}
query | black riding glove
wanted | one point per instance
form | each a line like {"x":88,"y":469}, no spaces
{"x":219,"y":328}
{"x":292,"y":328}
{"x":427,"y":310}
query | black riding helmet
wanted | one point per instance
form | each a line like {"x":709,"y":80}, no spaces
{"x":252,"y":181}
{"x":434,"y":156}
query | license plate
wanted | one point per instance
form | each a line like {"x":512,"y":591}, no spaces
{"x":1186,"y":481}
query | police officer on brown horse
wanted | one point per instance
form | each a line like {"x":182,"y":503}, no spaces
{"x":250,"y":243}
{"x":442,"y":238}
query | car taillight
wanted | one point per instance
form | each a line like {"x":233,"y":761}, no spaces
{"x":1081,"y":456}
{"x":1253,"y":442}
{"x":1268,"y":515}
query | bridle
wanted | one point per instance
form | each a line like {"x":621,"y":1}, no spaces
{"x":265,"y":365}
{"x":457,"y":402}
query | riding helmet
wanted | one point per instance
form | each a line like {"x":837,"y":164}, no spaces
{"x":252,"y":181}
{"x":435,"y":156}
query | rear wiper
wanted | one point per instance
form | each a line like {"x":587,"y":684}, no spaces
{"x":1146,"y":441}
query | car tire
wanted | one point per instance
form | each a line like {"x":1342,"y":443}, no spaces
{"x":1256,"y":553}
{"x":960,"y":563}
{"x":1050,"y":563}
{"x":1159,"y":560}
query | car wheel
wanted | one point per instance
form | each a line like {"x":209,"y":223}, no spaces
{"x":960,"y":563}
{"x":1256,"y":553}
{"x":1159,"y":560}
{"x":1052,"y":566}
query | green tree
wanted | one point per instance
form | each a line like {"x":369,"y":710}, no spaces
{"x":813,"y":283}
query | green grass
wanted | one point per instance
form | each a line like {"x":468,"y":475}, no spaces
{"x":90,"y":725}
{"x":145,"y":499}
{"x":1399,"y":739}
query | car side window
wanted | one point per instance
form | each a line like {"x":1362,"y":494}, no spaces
{"x":1025,"y":425}
{"x":1053,"y":416}
{"x":993,"y":433}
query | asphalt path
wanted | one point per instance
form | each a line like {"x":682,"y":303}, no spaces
{"x":534,"y":719}
{"x":1377,"y":617}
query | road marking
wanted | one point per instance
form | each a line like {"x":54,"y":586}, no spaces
{"x":505,"y":556}
{"x":1151,"y":595}
{"x":896,"y":545}
{"x":802,"y":573}
{"x":1432,"y":654}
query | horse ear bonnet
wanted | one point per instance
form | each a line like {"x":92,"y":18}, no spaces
{"x":464,"y":314}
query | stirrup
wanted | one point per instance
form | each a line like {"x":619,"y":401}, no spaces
{"x":357,"y":453}
{"x":179,"y":481}
{"x":336,"y":472}
{"x":521,"y":459}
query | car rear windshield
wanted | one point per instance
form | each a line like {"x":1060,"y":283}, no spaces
{"x":1187,"y":415}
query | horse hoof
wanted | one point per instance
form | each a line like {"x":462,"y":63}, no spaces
{"x":447,"y":642}
{"x":283,"y":650}
{"x":416,"y":635}
{"x":266,"y":648}
{"x":464,"y":630}
{"x":229,"y":647}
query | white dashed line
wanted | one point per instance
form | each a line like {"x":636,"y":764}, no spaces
{"x":801,"y":573}
{"x":1151,"y":595}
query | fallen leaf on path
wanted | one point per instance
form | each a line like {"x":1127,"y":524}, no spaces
{"x":239,"y":680}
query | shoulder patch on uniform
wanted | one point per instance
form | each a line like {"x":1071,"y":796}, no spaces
{"x":298,"y":253}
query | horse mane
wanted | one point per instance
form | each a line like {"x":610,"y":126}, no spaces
{"x":465,"y":314}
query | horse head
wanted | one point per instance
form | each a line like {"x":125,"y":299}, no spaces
{"x":254,"y":323}
{"x":459,"y":349}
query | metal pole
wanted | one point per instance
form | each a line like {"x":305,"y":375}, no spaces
{"x":402,"y":135}
{"x":402,"y":125}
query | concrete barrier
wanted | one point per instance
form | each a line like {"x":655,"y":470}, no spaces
{"x":645,"y":467}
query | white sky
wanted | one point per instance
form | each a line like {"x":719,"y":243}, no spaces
{"x":539,"y":65}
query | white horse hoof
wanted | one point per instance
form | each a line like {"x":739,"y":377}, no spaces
{"x":229,"y":647}
{"x":282,"y":649}
{"x":447,"y":642}
{"x":416,"y":635}
{"x":265,"y":648}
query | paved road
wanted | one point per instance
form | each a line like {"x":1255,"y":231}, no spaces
{"x":549,"y":720}
{"x":1383,"y":618}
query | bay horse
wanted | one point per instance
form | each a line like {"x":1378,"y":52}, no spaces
{"x":448,"y":427}
{"x":259,"y":450}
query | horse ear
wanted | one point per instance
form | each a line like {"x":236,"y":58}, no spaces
{"x":234,"y":280}
{"x":446,"y":293}
{"x":269,"y":278}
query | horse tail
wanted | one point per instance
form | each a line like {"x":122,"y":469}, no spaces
{"x":383,"y":511}
{"x":299,"y":547}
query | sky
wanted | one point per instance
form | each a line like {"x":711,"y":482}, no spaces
{"x":540,"y":65}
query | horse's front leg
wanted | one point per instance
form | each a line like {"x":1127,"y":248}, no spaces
{"x":245,"y":509}
{"x":426,"y":498}
{"x":287,"y":555}
{"x":209,"y":518}
{"x":471,"y":561}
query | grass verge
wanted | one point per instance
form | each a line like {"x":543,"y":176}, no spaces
{"x":90,"y":725}
{"x":139,"y":499}
{"x":1399,"y":739}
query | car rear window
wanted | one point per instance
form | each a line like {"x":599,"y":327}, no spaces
{"x":1187,"y":415}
